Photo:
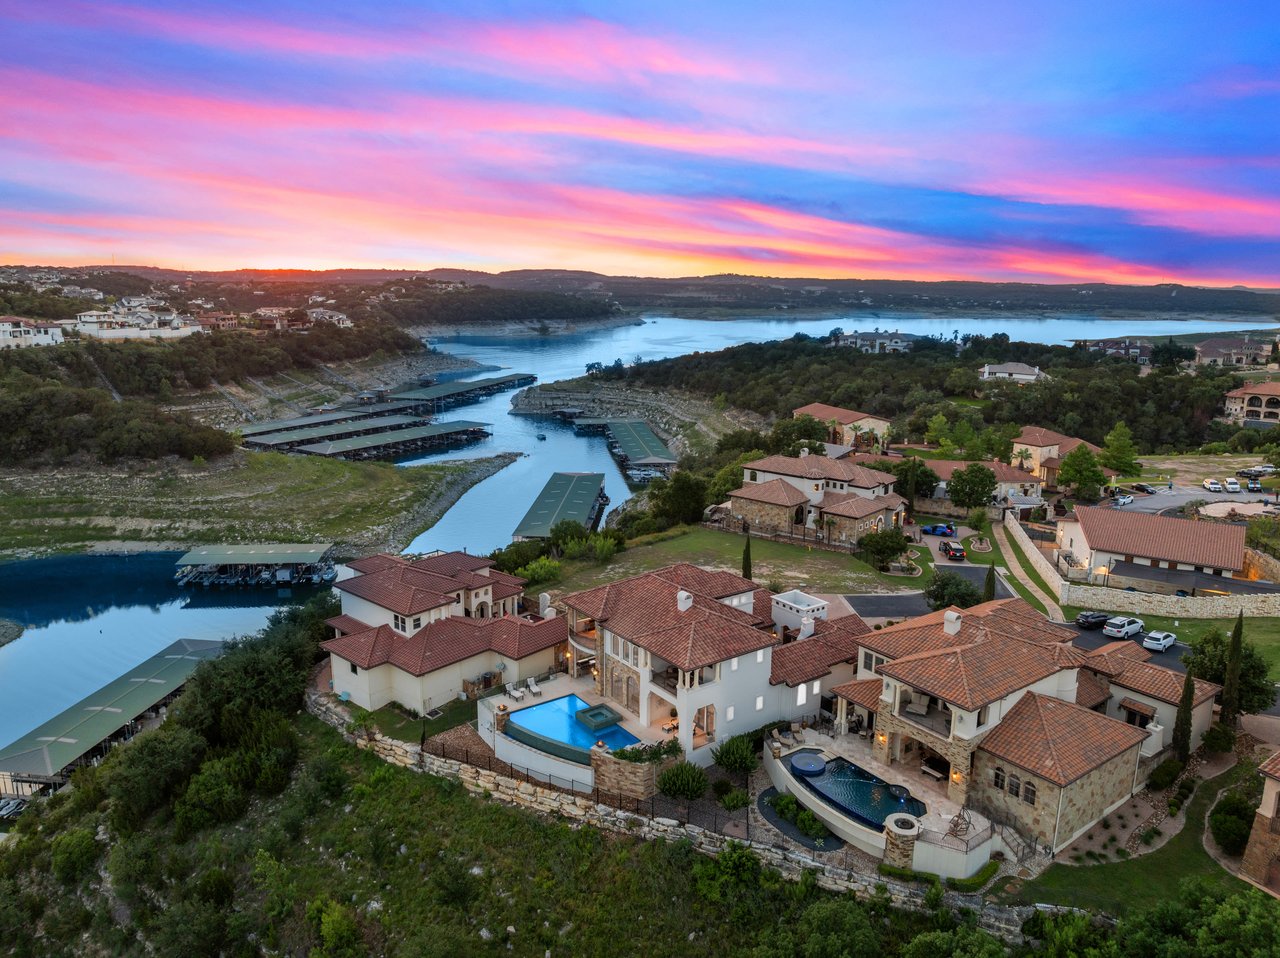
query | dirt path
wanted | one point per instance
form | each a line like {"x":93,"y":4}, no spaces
{"x":1019,"y":573}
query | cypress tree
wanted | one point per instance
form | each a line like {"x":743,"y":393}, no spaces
{"x":1231,"y":683}
{"x":989,"y":586}
{"x":746,"y":559}
{"x":1182,"y":724}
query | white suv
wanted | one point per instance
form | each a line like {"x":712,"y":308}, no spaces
{"x":1122,"y":627}
{"x":1213,"y":485}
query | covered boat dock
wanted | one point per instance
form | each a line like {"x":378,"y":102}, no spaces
{"x":642,"y":455}
{"x":81,"y":735}
{"x":388,"y":444}
{"x":266,"y":564}
{"x":574,"y":496}
{"x":444,"y":395}
{"x":277,"y":441}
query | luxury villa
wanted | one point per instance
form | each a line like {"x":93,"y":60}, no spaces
{"x":847,"y":426}
{"x":423,"y":631}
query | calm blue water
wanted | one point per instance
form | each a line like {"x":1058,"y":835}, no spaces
{"x":91,"y":618}
{"x":485,"y":517}
{"x":556,"y":720}
{"x":858,"y":793}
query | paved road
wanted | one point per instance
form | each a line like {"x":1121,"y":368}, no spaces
{"x":1179,"y":496}
{"x":894,"y":605}
{"x":976,"y":574}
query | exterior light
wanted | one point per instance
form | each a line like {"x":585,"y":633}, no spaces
{"x":599,"y":743}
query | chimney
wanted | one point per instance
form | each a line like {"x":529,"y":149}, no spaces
{"x":806,"y":628}
{"x":951,"y":622}
{"x":544,"y":603}
{"x":804,"y":452}
{"x":684,"y":601}
{"x":550,"y":612}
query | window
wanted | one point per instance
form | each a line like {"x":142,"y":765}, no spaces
{"x":417,"y":622}
{"x":867,"y":662}
{"x":398,"y":623}
{"x":1029,"y":793}
{"x":753,"y":475}
{"x":1015,"y":785}
{"x":998,"y":779}
{"x":733,"y":667}
{"x":984,"y":713}
{"x":800,"y":694}
{"x":817,"y":686}
{"x":759,"y":703}
{"x":728,"y":714}
{"x":760,"y":656}
{"x":355,"y":670}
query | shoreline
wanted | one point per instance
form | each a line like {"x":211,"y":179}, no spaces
{"x":10,"y":631}
{"x":730,"y":313}
{"x":550,"y":327}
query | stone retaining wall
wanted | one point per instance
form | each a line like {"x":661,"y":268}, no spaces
{"x":633,"y":779}
{"x":1052,"y":577}
{"x":1002,"y":921}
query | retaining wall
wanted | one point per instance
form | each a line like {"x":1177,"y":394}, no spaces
{"x":1004,"y":922}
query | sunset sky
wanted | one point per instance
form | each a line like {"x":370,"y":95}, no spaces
{"x":1126,"y":142}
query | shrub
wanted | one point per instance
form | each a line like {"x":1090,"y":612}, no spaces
{"x":1150,"y":835}
{"x":74,"y":853}
{"x":213,"y":795}
{"x":736,"y":755}
{"x":540,"y":570}
{"x":809,"y":824}
{"x":736,"y":799}
{"x":1219,"y":738}
{"x":786,"y":806}
{"x":721,"y":787}
{"x":1231,"y":821}
{"x":1164,"y":774}
{"x":977,"y":880}
{"x":683,"y":780}
{"x":1122,"y":853}
{"x":1174,"y":807}
{"x":908,"y":874}
{"x":650,"y":753}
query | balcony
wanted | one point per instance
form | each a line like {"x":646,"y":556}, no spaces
{"x":667,"y":679}
{"x":584,"y":640}
{"x":934,"y":719}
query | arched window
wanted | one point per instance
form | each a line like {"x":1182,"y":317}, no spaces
{"x":1029,"y":793}
{"x":1015,"y":785}
{"x":998,"y":778}
{"x":798,"y":518}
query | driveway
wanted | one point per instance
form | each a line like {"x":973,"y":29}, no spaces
{"x":976,"y":574}
{"x":894,"y":605}
{"x":1166,"y":499}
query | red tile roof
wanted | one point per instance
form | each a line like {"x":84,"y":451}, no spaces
{"x":448,"y":641}
{"x":850,"y":505}
{"x":1058,"y":741}
{"x":946,"y":468}
{"x":1216,"y":545}
{"x":821,"y":467}
{"x":1090,"y":692}
{"x":1008,"y":617}
{"x":1114,"y":657}
{"x":864,"y":692}
{"x":804,"y":660}
{"x":824,"y":413}
{"x":408,"y":587}
{"x":1271,"y":767}
{"x":775,"y":492}
{"x":1157,"y":682}
{"x":1269,"y":388}
{"x":643,"y":610}
{"x":347,"y":623}
{"x":1142,"y":708}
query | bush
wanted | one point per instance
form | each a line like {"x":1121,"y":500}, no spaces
{"x":683,"y":780}
{"x":809,"y":824}
{"x":758,"y":736}
{"x":908,"y":874}
{"x":736,"y":799}
{"x":721,"y":787}
{"x":1231,"y":822}
{"x":1174,"y":807}
{"x":736,"y":755}
{"x":650,"y":753}
{"x":215,"y":794}
{"x":1219,"y":738}
{"x":1164,"y":774}
{"x":539,"y":571}
{"x":786,"y":806}
{"x":977,"y":880}
{"x":74,"y":853}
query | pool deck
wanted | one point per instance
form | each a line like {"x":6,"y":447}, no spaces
{"x":584,"y":688}
{"x":941,"y":809}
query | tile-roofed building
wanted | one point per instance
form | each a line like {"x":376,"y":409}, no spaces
{"x":1013,"y":372}
{"x":1233,"y":351}
{"x":1262,"y":852}
{"x":861,"y":692}
{"x":1271,"y":767}
{"x":1012,"y":618}
{"x":775,"y":492}
{"x":422,"y":631}
{"x":1253,"y":403}
{"x":814,"y":657}
{"x":1090,"y":690}
{"x":846,"y":426}
{"x":1040,"y":451}
{"x":810,"y":466}
{"x":1098,"y":538}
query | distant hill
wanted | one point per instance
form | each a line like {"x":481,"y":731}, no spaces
{"x":730,"y":291}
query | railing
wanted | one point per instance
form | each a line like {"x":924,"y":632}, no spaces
{"x":935,"y":720}
{"x":963,"y":843}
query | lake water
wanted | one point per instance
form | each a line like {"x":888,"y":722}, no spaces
{"x":484,"y":518}
{"x":91,"y":618}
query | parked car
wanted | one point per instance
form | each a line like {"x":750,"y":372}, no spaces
{"x":1266,"y":469}
{"x":1250,"y":473}
{"x":1092,"y":620}
{"x":1159,"y":641}
{"x":952,"y":550}
{"x":1213,"y":485}
{"x":1255,"y":485}
{"x":12,"y":808}
{"x":1122,"y":627}
{"x":939,"y":530}
{"x":1230,"y":485}
{"x":1144,"y":488}
{"x":1124,"y":500}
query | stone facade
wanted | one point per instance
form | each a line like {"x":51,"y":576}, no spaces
{"x":894,"y":742}
{"x":1059,"y":814}
{"x":1261,"y":864}
{"x":764,"y":516}
{"x":1002,"y":921}
{"x":632,"y":779}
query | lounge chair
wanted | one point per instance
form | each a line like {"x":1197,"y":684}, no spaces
{"x":797,"y":732}
{"x":533,"y":686}
{"x":783,"y":738}
{"x":672,"y":726}
{"x":515,"y":693}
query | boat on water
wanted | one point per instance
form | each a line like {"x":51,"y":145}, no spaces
{"x":542,"y":436}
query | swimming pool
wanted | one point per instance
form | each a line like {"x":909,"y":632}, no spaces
{"x":557,"y":721}
{"x":864,"y":797}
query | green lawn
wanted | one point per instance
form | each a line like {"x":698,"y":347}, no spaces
{"x":998,"y":557}
{"x":1021,"y":558}
{"x":397,"y":723}
{"x":791,"y":566}
{"x":1147,"y":880}
{"x":1262,"y":632}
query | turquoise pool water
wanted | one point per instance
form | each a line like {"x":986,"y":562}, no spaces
{"x":862,"y":796}
{"x":556,"y":720}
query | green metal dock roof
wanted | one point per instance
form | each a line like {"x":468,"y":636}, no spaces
{"x":356,"y":443}
{"x":638,"y":443}
{"x":301,"y":422}
{"x":336,"y":429}
{"x":567,"y":495}
{"x":57,"y":743}
{"x":268,"y":553}
{"x":448,"y":390}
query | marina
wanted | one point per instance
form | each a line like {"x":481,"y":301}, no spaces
{"x":568,"y":496}
{"x":275,"y":565}
{"x":292,"y":438}
{"x":639,"y":451}
{"x":444,"y":395}
{"x":391,"y":444}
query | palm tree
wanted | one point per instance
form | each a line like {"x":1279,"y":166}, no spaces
{"x":1022,"y":454}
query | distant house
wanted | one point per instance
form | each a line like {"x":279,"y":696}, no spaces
{"x":1233,"y":351}
{"x":808,"y":495}
{"x":1254,"y":403}
{"x":1014,"y":486}
{"x":876,"y":342}
{"x":1134,"y":350}
{"x":1013,"y":372}
{"x":1100,"y":540}
{"x":18,"y":333}
{"x":847,"y":426}
{"x":1040,"y":451}
{"x":332,"y":316}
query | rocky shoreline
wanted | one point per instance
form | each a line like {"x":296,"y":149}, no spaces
{"x":549,"y":327}
{"x":10,"y":630}
{"x":412,"y":524}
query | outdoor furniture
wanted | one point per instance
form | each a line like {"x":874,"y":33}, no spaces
{"x":933,"y":773}
{"x":533,"y":686}
{"x":779,"y":739}
{"x":917,"y":708}
{"x":672,"y":726}
{"x":515,"y":693}
{"x":797,"y":733}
